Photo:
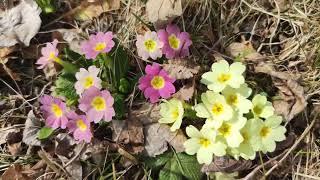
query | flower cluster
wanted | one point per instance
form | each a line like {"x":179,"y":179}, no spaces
{"x":95,"y":104}
{"x":170,"y":41}
{"x":97,"y":44}
{"x":226,"y":108}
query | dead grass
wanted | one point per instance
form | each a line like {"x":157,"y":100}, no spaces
{"x":287,"y":36}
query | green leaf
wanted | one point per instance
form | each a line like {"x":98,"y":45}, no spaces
{"x":171,"y":171}
{"x":64,"y":86}
{"x":119,"y":64}
{"x":190,"y":167}
{"x":45,"y":132}
{"x":119,"y":105}
{"x":176,"y":166}
{"x":158,"y":161}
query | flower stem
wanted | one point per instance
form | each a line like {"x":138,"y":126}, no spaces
{"x":68,"y":67}
{"x":189,"y":111}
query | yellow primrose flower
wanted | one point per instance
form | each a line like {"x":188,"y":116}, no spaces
{"x":250,"y":136}
{"x":229,"y":131}
{"x":203,"y":144}
{"x":261,"y":107}
{"x":235,"y":99}
{"x":269,"y":132}
{"x":222,"y":75}
{"x":172,"y":113}
{"x":214,"y":108}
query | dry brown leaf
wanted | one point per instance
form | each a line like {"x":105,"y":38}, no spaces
{"x":157,"y":136}
{"x":72,"y":37}
{"x":15,"y":172}
{"x":97,"y":150}
{"x":65,"y":145}
{"x":181,"y":68}
{"x":225,"y":164}
{"x":186,"y":92}
{"x":292,"y":99}
{"x":92,"y":9}
{"x":20,"y":23}
{"x":14,"y":142}
{"x":130,"y":133}
{"x":4,"y":132}
{"x":15,"y":149}
{"x":243,"y":51}
{"x":4,"y":52}
{"x":32,"y":127}
{"x":162,"y":11}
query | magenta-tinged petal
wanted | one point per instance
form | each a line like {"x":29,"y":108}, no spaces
{"x":64,"y":122}
{"x":45,"y":99}
{"x":144,"y":82}
{"x":82,"y":136}
{"x":163,"y":36}
{"x":52,"y":122}
{"x":173,"y":29}
{"x":153,"y":70}
{"x":167,"y":90}
{"x":152,"y":94}
{"x":165,"y":75}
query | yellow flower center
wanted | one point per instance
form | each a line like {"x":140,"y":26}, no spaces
{"x":175,"y":114}
{"x":224,"y":78}
{"x":232,"y":99}
{"x":204,"y":142}
{"x":98,"y":103}
{"x":225,"y":130}
{"x":88,"y":82}
{"x":265,"y":131}
{"x":150,"y":45}
{"x":81,"y":125}
{"x":245,"y":137}
{"x":57,"y":111}
{"x":100,"y":46}
{"x":257,"y":109}
{"x":53,"y":57}
{"x":174,"y":42}
{"x":217,"y":108}
{"x":157,"y":82}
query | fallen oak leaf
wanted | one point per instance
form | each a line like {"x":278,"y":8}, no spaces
{"x":130,"y":133}
{"x":293,"y":101}
{"x":157,"y":136}
{"x":181,"y":68}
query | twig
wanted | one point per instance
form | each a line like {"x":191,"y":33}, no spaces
{"x":255,"y":170}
